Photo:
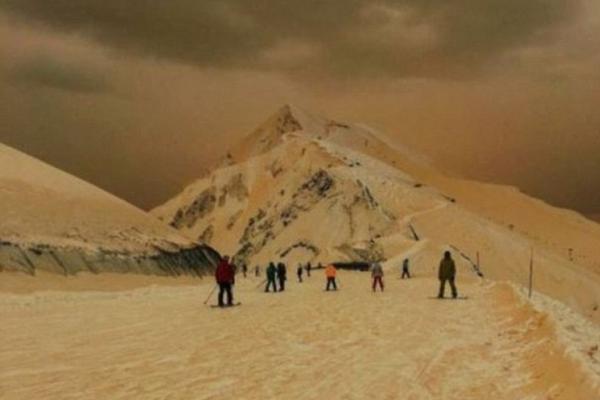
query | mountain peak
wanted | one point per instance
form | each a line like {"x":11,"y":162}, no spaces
{"x":287,"y":108}
{"x":291,"y":118}
{"x":286,"y":119}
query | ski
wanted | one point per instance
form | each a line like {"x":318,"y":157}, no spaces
{"x":449,"y":298}
{"x":226,"y":306}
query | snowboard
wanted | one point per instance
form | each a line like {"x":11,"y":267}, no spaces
{"x":233,"y":305}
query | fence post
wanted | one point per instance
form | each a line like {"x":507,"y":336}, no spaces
{"x":531,"y":273}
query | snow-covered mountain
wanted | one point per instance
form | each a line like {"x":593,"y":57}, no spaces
{"x":55,"y":222}
{"x":306,"y":188}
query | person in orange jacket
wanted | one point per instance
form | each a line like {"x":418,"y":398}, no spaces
{"x":330,"y":273}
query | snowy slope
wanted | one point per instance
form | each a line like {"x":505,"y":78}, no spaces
{"x":54,"y":221}
{"x":300,"y":344}
{"x":302,"y":198}
{"x":304,"y":188}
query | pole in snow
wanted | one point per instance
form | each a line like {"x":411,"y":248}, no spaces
{"x":531,"y":273}
{"x":210,"y":294}
{"x":261,"y":283}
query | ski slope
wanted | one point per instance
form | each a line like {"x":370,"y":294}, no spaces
{"x":160,"y":342}
{"x":306,"y":188}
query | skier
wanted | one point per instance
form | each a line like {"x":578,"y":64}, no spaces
{"x":308,"y":268}
{"x":299,"y":273}
{"x":225,"y":277}
{"x":377,"y":275}
{"x":447,"y":272}
{"x":271,"y":273}
{"x":330,"y":273}
{"x":405,"y":272}
{"x":282,"y":275}
{"x":244,"y":269}
{"x":257,"y":271}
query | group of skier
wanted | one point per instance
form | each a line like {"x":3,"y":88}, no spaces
{"x":279,"y":274}
{"x":446,"y":273}
{"x":377,"y":274}
{"x":276,"y":276}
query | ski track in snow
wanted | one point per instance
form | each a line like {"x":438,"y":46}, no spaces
{"x":162,"y":343}
{"x":408,"y":219}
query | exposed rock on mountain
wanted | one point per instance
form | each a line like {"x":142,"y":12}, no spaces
{"x":305,"y":188}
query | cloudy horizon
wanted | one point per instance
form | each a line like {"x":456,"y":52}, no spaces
{"x":139,"y":97}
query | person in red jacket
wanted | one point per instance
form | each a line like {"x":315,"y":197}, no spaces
{"x":225,"y":276}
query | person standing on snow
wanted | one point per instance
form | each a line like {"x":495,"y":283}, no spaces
{"x":271,"y":273}
{"x":330,"y":273}
{"x":299,"y":272}
{"x":377,"y":275}
{"x":405,"y":272}
{"x":225,"y":277}
{"x":282,"y":275}
{"x":447,"y":272}
{"x":308,"y":268}
{"x":244,"y":269}
{"x":257,"y":271}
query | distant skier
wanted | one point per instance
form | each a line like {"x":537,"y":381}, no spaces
{"x":447,"y":272}
{"x":405,"y":272}
{"x":330,"y":273}
{"x":377,"y":275}
{"x":257,"y":271}
{"x":225,"y":277}
{"x":308,"y":268}
{"x":282,"y":275}
{"x":299,"y":272}
{"x":271,"y":274}
{"x":244,"y":269}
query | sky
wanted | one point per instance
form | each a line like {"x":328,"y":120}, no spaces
{"x":140,"y":97}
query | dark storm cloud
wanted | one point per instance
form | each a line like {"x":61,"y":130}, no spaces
{"x":48,"y":71}
{"x":511,"y":97}
{"x":431,"y":38}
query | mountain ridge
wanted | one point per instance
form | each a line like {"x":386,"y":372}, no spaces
{"x":306,"y":197}
{"x":59,"y":223}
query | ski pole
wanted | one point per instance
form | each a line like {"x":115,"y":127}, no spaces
{"x":210,"y":294}
{"x":260,"y":284}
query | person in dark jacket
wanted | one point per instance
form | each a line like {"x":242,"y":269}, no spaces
{"x":257,"y":271}
{"x":244,"y":269}
{"x":299,"y":272}
{"x":405,"y":272}
{"x":271,"y":273}
{"x":282,"y":275}
{"x":225,"y":277}
{"x":447,"y":272}
{"x":308,"y":268}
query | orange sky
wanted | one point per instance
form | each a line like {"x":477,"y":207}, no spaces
{"x":139,"y":98}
